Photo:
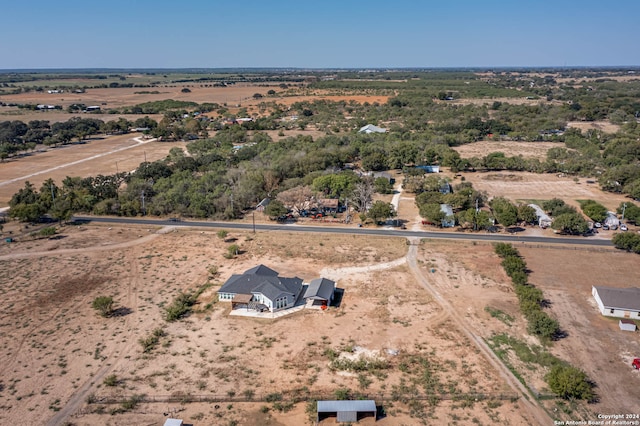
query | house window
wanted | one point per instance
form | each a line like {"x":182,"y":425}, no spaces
{"x":611,"y":311}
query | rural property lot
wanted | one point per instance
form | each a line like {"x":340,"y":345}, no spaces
{"x":58,"y":351}
{"x":509,"y":148}
{"x":531,"y":186}
{"x":97,"y":156}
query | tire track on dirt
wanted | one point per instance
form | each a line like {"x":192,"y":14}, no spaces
{"x":532,"y":407}
{"x":80,"y":396}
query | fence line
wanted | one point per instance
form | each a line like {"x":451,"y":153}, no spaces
{"x":277,"y":397}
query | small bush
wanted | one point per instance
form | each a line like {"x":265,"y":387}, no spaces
{"x":104,"y":305}
{"x":111,"y":380}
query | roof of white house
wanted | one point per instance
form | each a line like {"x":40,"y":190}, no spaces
{"x":627,"y":299}
{"x":320,"y":289}
{"x":264,"y":280}
{"x":173,"y":422}
{"x":370,"y":128}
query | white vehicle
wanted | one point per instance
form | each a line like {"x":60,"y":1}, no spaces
{"x":597,"y":225}
{"x":623,"y":227}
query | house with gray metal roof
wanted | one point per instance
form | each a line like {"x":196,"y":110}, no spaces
{"x":449,"y":220}
{"x":544,"y":221}
{"x":319,"y":292}
{"x":370,"y":128}
{"x":261,"y":288}
{"x":618,"y":302}
{"x":346,"y":411}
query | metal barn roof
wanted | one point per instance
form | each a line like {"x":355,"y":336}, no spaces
{"x":368,"y":405}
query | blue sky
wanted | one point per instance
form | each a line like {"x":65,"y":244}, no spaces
{"x":320,"y":34}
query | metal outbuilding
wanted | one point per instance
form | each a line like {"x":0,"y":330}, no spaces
{"x":173,"y":422}
{"x":346,"y":411}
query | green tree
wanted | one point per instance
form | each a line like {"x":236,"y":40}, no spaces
{"x":541,"y":324}
{"x":627,"y":241}
{"x":104,"y":305}
{"x":505,"y":212}
{"x":432,"y":213}
{"x":570,"y":223}
{"x":527,"y":213}
{"x":275,"y":208}
{"x":570,"y":383}
{"x":381,"y":210}
{"x":383,"y":186}
{"x":594,"y":210}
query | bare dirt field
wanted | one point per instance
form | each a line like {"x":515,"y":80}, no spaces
{"x":514,"y":101}
{"x":531,"y":186}
{"x":509,"y":148}
{"x":473,"y":280}
{"x":98,"y":156}
{"x":59,"y":353}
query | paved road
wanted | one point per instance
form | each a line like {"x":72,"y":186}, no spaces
{"x":354,"y":230}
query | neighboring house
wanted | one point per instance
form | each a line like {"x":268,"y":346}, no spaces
{"x":385,"y":175}
{"x":612,"y":220}
{"x":446,"y":188}
{"x":261,"y":288}
{"x":329,"y":205}
{"x":319,"y":292}
{"x":173,"y":422}
{"x":544,"y":221}
{"x":370,"y":128}
{"x":449,"y":220}
{"x":263,"y":204}
{"x":429,"y":169}
{"x":618,"y":302}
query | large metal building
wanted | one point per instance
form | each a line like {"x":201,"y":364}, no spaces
{"x":346,"y":411}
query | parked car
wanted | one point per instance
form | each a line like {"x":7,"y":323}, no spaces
{"x":623,"y":227}
{"x":605,"y":227}
{"x":636,"y":363}
{"x":597,"y":225}
{"x":613,"y":227}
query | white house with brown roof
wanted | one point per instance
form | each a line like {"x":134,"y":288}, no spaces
{"x":618,"y":302}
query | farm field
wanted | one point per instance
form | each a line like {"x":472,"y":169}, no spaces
{"x":97,"y":156}
{"x":532,"y":186}
{"x":59,"y":351}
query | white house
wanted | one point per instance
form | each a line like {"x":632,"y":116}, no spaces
{"x":612,"y":220}
{"x":261,"y":288}
{"x":618,"y":302}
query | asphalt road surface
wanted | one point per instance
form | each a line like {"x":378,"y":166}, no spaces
{"x":576,"y":240}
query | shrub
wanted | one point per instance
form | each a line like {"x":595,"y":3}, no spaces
{"x":541,"y":324}
{"x":504,"y":250}
{"x":104,"y":305}
{"x":570,"y":383}
{"x":111,"y":380}
{"x":180,"y":307}
{"x":513,"y":265}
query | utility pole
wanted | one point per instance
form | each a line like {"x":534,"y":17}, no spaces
{"x":253,"y":216}
{"x":144,"y":212}
{"x":624,"y":208}
{"x":117,"y":167}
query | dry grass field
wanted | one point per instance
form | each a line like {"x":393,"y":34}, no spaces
{"x":603,"y":126}
{"x":531,"y":186}
{"x":509,"y":148}
{"x":59,"y":352}
{"x":102,"y":155}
